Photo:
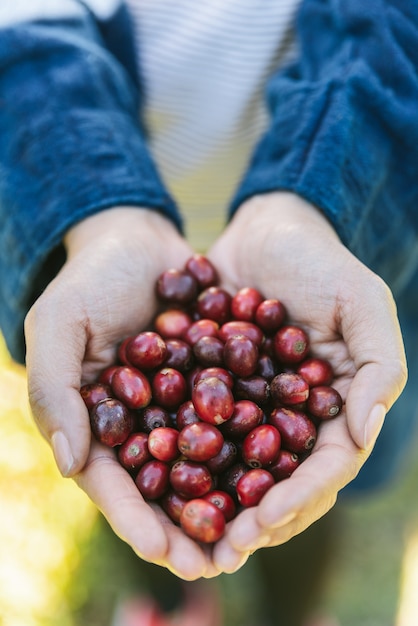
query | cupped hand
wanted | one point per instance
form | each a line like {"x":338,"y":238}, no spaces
{"x":286,"y":248}
{"x":104,"y":292}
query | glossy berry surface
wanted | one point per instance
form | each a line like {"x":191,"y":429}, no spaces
{"x":289,"y":388}
{"x":291,"y":344}
{"x":162,"y":443}
{"x":202,"y":270}
{"x":223,"y":501}
{"x":253,"y":485}
{"x":261,"y":446}
{"x":244,"y":303}
{"x":152,"y":479}
{"x":132,"y":387}
{"x":324,"y":402}
{"x":241,"y":355}
{"x":285,"y":465}
{"x":146,"y":350}
{"x":200,"y":441}
{"x":169,"y":388}
{"x":213,"y":400}
{"x":190,"y":479}
{"x":316,"y":371}
{"x":202,"y":521}
{"x":134,"y":453}
{"x":270,"y":315}
{"x":176,"y":286}
{"x":297,"y":431}
{"x":92,"y":393}
{"x":111,"y":422}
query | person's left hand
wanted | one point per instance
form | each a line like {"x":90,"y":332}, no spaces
{"x":283,"y":246}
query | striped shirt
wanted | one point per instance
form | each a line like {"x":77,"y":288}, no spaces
{"x":203,"y":68}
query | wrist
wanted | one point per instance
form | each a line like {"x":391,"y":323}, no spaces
{"x":122,"y":225}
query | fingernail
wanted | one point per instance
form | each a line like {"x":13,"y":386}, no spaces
{"x":62,"y":452}
{"x":373,"y":425}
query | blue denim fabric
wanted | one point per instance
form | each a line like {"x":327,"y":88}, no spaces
{"x":71,"y":145}
{"x":399,"y":435}
{"x":344,"y":130}
{"x":344,"y":135}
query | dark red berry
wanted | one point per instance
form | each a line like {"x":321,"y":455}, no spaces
{"x":270,"y":315}
{"x":324,"y":402}
{"x":169,"y":388}
{"x":176,"y":286}
{"x":152,"y":479}
{"x":297,"y":431}
{"x":289,"y":389}
{"x":202,"y":270}
{"x":153,"y":417}
{"x":241,"y":355}
{"x":92,"y":393}
{"x":111,"y":422}
{"x":316,"y":371}
{"x":253,"y":485}
{"x":214,"y":303}
{"x":244,"y":303}
{"x":162,"y":443}
{"x":146,"y":351}
{"x":291,"y":344}
{"x":200,"y":441}
{"x":132,"y":387}
{"x":285,"y":465}
{"x":261,"y":446}
{"x":223,"y":501}
{"x":134,"y":452}
{"x":172,"y":323}
{"x":202,"y":521}
{"x":213,"y":400}
{"x":190,"y":479}
{"x":246,"y":416}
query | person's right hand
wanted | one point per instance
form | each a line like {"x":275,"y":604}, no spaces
{"x":104,"y":292}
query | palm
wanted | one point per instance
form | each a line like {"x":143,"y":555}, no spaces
{"x":288,"y":251}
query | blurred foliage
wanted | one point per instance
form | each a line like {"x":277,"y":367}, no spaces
{"x":43,"y":517}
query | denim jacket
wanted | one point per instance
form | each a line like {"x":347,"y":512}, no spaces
{"x":343,"y":134}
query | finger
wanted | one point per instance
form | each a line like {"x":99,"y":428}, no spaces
{"x":295,"y":503}
{"x":55,"y":350}
{"x":184,"y":557}
{"x":115,"y":494}
{"x":374,"y":340}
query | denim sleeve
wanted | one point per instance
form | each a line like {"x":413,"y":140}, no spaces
{"x":344,"y":128}
{"x":71,"y":145}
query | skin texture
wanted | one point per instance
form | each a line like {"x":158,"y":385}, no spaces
{"x":106,"y":292}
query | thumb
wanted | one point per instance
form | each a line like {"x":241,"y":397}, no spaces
{"x":374,"y":339}
{"x":55,"y":350}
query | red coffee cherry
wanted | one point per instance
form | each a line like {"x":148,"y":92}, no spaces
{"x":111,"y":422}
{"x":324,"y":402}
{"x":200,"y":441}
{"x":244,"y":303}
{"x":253,"y":485}
{"x":134,"y":453}
{"x":291,"y":344}
{"x":261,"y":446}
{"x":152,"y":479}
{"x":297,"y":431}
{"x":213,"y":400}
{"x":202,"y":521}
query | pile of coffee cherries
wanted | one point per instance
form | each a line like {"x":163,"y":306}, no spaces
{"x":213,"y":404}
